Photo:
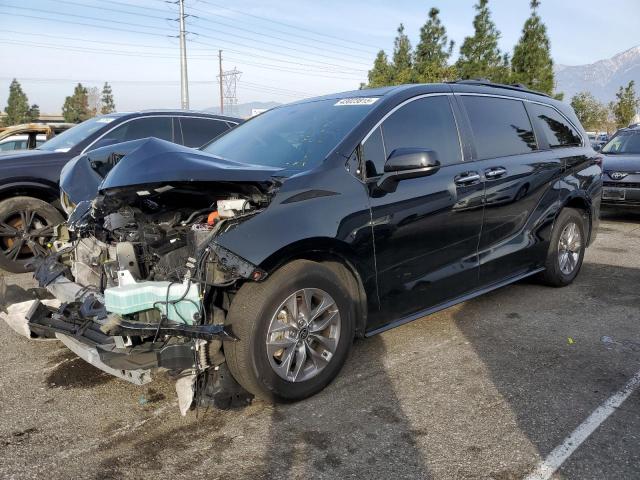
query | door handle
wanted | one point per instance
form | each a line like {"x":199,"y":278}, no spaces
{"x":495,"y":172}
{"x":467,"y":178}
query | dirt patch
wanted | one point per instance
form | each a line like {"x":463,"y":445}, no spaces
{"x":70,"y":371}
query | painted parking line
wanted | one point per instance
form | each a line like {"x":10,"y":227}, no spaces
{"x":559,"y":455}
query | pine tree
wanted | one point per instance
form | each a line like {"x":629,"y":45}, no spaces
{"x":17,"y":108}
{"x":108,"y":104}
{"x":76,"y":107}
{"x":34,"y":112}
{"x":531,"y":63}
{"x":380,"y":74}
{"x":402,"y":65}
{"x":480,"y":56}
{"x":433,"y":51}
{"x":626,"y":105}
{"x":592,"y":114}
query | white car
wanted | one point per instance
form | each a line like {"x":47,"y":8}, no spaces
{"x":20,"y":142}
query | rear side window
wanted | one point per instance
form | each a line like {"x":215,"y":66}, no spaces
{"x":159,"y":127}
{"x":424,"y":123}
{"x":197,"y":132}
{"x":500,"y":126}
{"x":556,"y":129}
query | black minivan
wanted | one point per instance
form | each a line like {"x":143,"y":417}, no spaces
{"x":318,"y":221}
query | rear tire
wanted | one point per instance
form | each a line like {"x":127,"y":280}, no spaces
{"x":566,"y":248}
{"x":271,"y":314}
{"x":26,"y":227}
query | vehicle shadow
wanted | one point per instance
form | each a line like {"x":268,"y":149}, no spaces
{"x":354,"y":428}
{"x":554,"y":355}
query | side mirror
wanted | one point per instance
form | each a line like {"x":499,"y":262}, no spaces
{"x":404,"y":163}
{"x":597,"y":147}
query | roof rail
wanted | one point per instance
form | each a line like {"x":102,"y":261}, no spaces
{"x":487,"y":83}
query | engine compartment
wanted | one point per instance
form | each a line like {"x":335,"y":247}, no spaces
{"x":143,"y":285}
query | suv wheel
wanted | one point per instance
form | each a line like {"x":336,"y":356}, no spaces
{"x":26,"y":228}
{"x":295,"y":330}
{"x":566,"y":249}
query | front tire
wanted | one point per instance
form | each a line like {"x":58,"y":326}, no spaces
{"x":295,"y":331}
{"x":566,"y":248}
{"x":26,"y":228}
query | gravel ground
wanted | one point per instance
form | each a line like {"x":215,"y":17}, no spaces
{"x":485,"y":389}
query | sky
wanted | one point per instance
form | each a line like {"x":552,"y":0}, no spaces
{"x":285,"y":49}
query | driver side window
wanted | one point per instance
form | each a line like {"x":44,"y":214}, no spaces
{"x":423,"y":123}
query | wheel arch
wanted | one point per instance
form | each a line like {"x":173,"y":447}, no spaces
{"x":41,"y":191}
{"x":583,"y":204}
{"x":332,"y":251}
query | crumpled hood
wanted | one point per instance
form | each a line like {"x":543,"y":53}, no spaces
{"x":159,"y":161}
{"x":151,"y":161}
{"x":621,"y":163}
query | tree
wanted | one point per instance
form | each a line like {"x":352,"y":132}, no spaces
{"x":380,"y":74}
{"x":17,"y":108}
{"x":592,"y":114}
{"x":76,"y":107}
{"x":531,"y":63}
{"x":480,"y":56}
{"x":402,"y":65}
{"x":625,"y":107}
{"x":433,"y":51}
{"x":108,"y":104}
{"x":34,"y":113}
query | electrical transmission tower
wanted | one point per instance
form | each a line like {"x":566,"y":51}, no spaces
{"x":228,"y":81}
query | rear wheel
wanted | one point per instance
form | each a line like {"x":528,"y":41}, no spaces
{"x":566,"y":248}
{"x":26,"y":228}
{"x":295,"y":330}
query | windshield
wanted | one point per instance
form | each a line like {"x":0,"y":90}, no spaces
{"x":68,"y":139}
{"x":623,"y":142}
{"x":296,"y":137}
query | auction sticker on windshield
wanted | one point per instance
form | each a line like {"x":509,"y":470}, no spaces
{"x":356,"y":101}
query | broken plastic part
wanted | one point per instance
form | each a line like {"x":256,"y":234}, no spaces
{"x":90,"y":355}
{"x":17,"y":316}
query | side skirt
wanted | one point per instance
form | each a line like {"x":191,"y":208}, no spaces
{"x":451,"y":303}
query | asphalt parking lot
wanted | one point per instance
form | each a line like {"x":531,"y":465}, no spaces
{"x":486,"y":389}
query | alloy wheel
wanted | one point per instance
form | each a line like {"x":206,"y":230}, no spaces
{"x":569,"y":248}
{"x":23,"y":235}
{"x":303,"y":334}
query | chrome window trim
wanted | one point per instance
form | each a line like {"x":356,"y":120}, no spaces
{"x":578,"y":130}
{"x":407,"y":101}
{"x":85,"y":149}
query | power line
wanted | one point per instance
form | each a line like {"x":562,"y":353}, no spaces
{"x":289,"y":25}
{"x":317,"y":43}
{"x":111,"y":28}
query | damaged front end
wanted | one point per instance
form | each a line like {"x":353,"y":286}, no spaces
{"x":143,"y":285}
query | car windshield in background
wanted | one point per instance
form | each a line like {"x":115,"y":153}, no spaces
{"x":68,"y":139}
{"x":295,"y":137}
{"x":623,"y":143}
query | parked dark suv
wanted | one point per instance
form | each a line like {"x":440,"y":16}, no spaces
{"x":29,"y":193}
{"x":268,"y":250}
{"x":621,"y":166}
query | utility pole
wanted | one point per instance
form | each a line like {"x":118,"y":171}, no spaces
{"x":184,"y":80}
{"x":220,"y":70}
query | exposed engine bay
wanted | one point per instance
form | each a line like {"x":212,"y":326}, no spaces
{"x":143,"y":285}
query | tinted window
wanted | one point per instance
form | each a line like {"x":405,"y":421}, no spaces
{"x":373,"y":154}
{"x":424,"y":123}
{"x":554,"y":127}
{"x":500,"y":126}
{"x":159,"y":127}
{"x":196,"y":132}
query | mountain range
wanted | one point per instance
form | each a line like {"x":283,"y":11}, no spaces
{"x":602,"y":78}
